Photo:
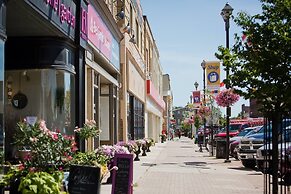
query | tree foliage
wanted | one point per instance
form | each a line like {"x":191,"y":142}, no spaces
{"x":260,"y":64}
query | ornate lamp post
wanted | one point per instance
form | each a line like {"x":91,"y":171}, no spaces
{"x":196,"y":85}
{"x":226,"y":14}
{"x":191,"y":97}
{"x":203,"y":65}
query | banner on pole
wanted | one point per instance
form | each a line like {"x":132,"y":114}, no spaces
{"x":196,"y":98}
{"x":213,"y":76}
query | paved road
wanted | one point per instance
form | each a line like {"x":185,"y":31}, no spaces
{"x":177,"y":167}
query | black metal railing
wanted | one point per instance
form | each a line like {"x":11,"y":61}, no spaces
{"x":277,"y":157}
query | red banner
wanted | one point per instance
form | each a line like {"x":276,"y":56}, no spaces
{"x":196,"y":97}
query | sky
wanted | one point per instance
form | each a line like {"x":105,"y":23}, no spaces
{"x":186,"y":33}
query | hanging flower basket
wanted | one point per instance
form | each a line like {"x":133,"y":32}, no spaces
{"x":226,"y":98}
{"x":204,"y":111}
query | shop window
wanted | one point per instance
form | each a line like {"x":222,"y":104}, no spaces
{"x":49,"y":95}
{"x":135,"y":118}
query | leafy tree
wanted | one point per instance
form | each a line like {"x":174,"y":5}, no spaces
{"x":261,"y":64}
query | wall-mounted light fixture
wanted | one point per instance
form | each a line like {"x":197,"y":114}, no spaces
{"x":120,"y":5}
{"x":132,"y":38}
{"x":126,"y":29}
{"x":120,"y":15}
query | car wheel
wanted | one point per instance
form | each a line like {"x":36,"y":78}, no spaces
{"x":249,"y":163}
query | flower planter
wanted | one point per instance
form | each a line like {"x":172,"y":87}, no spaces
{"x":144,"y":148}
{"x":13,"y":189}
{"x":137,"y":152}
{"x":148,"y":147}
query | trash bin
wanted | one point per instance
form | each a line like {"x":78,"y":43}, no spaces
{"x":220,"y":148}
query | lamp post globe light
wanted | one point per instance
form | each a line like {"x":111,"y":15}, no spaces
{"x":203,"y":65}
{"x":196,"y":85}
{"x":226,"y":13}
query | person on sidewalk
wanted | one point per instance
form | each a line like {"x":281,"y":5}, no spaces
{"x":200,"y":140}
{"x":179,"y":134}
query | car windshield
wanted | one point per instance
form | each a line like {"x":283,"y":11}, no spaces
{"x":244,"y":132}
{"x":234,"y":127}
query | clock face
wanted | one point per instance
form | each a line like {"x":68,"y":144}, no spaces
{"x":19,"y":101}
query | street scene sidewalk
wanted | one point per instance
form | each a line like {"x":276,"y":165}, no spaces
{"x":177,"y":167}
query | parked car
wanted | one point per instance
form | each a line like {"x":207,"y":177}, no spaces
{"x":285,"y":166}
{"x":247,"y":149}
{"x":234,"y":141}
{"x":264,"y":153}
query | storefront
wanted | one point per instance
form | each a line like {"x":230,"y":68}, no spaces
{"x":102,"y":72}
{"x":40,"y":63}
{"x":154,"y":112}
{"x":135,"y":101}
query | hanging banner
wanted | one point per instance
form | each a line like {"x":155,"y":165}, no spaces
{"x":196,"y":98}
{"x":213,"y":76}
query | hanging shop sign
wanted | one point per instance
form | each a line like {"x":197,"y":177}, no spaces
{"x":213,"y":76}
{"x":101,"y":37}
{"x":62,"y":13}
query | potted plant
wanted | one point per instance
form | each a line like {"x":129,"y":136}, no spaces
{"x":49,"y":151}
{"x":89,"y":130}
{"x":41,"y":182}
{"x":107,"y":152}
{"x":149,"y":142}
{"x":87,"y":133}
{"x":141,"y":143}
{"x":12,"y":179}
{"x":163,"y":138}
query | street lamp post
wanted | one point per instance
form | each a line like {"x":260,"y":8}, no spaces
{"x":226,"y":14}
{"x":196,"y":85}
{"x":203,"y":65}
{"x":191,"y":99}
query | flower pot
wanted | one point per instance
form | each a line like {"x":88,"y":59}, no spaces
{"x":23,"y":154}
{"x":137,"y":152}
{"x":148,"y":144}
{"x":14,"y":186}
{"x":144,"y":148}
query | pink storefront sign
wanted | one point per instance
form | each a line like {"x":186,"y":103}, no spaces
{"x":98,"y":33}
{"x":153,"y":93}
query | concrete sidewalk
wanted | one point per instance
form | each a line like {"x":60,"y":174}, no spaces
{"x":177,"y":167}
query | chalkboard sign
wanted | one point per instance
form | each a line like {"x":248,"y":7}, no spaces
{"x":84,"y":180}
{"x":123,"y":177}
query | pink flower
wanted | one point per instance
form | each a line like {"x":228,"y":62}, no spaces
{"x":74,"y":148}
{"x":32,"y":169}
{"x":21,"y":166}
{"x":226,"y":98}
{"x":204,"y":111}
{"x":42,"y":125}
{"x":69,"y":157}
